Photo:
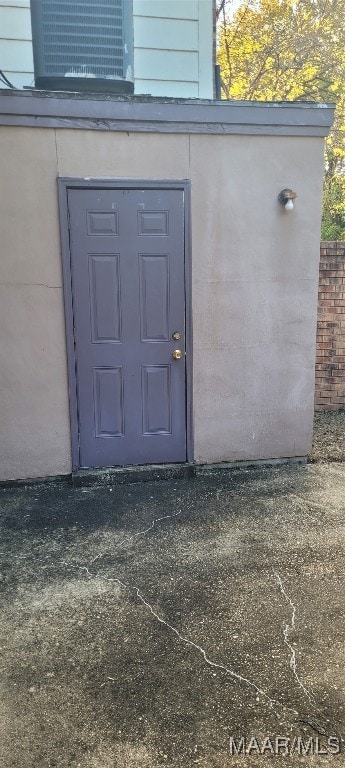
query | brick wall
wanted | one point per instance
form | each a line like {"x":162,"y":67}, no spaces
{"x":330,"y":343}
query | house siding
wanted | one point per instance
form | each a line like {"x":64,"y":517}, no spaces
{"x":173,"y":45}
{"x":16,"y":59}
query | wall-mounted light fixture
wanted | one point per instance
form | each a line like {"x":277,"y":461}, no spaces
{"x":286,"y":198}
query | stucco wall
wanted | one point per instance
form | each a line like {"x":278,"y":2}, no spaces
{"x":255,"y":277}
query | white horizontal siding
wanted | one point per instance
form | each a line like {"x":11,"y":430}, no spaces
{"x":173,"y":42}
{"x":169,"y":65}
{"x":16,"y":3}
{"x":20,"y":79}
{"x":15,"y":23}
{"x":168,"y":9}
{"x":173,"y":34}
{"x":172,"y":46}
{"x":16,"y":56}
{"x":154,"y":88}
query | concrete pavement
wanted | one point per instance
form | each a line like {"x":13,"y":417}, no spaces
{"x":176,"y":623}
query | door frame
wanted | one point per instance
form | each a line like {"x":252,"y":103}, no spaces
{"x":64,"y":185}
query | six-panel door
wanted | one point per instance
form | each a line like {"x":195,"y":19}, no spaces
{"x":127,"y":261}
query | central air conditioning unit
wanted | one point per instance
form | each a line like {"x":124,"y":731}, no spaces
{"x":83,"y":45}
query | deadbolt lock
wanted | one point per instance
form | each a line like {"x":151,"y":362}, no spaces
{"x":177,"y":354}
{"x":176,"y":335}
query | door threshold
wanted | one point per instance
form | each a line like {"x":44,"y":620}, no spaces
{"x":150,"y":472}
{"x":132,"y":474}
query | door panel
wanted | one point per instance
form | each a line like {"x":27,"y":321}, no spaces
{"x":108,"y":400}
{"x":156,"y":396}
{"x":154,"y":297}
{"x":127,"y":263}
{"x":104,"y":289}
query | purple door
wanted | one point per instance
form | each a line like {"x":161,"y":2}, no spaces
{"x":127,"y":260}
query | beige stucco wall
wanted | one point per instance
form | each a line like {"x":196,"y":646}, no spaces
{"x":255,"y":275}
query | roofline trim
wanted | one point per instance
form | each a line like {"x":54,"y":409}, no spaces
{"x":49,"y":109}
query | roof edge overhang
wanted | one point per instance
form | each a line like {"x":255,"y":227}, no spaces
{"x":51,"y":109}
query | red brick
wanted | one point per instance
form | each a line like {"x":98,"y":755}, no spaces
{"x":333,"y":271}
{"x":327,"y":302}
{"x":331,"y":407}
{"x":330,"y":337}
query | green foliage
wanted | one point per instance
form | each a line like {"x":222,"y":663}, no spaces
{"x":333,"y":215}
{"x":277,"y":50}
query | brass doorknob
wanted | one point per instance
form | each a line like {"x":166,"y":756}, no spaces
{"x":177,"y":354}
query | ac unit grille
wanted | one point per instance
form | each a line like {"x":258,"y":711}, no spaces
{"x":88,"y":41}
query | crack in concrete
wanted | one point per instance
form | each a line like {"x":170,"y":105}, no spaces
{"x":136,"y":535}
{"x":231,"y":672}
{"x":101,"y":554}
{"x":290,"y":627}
{"x":185,"y":640}
{"x":207,"y":660}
